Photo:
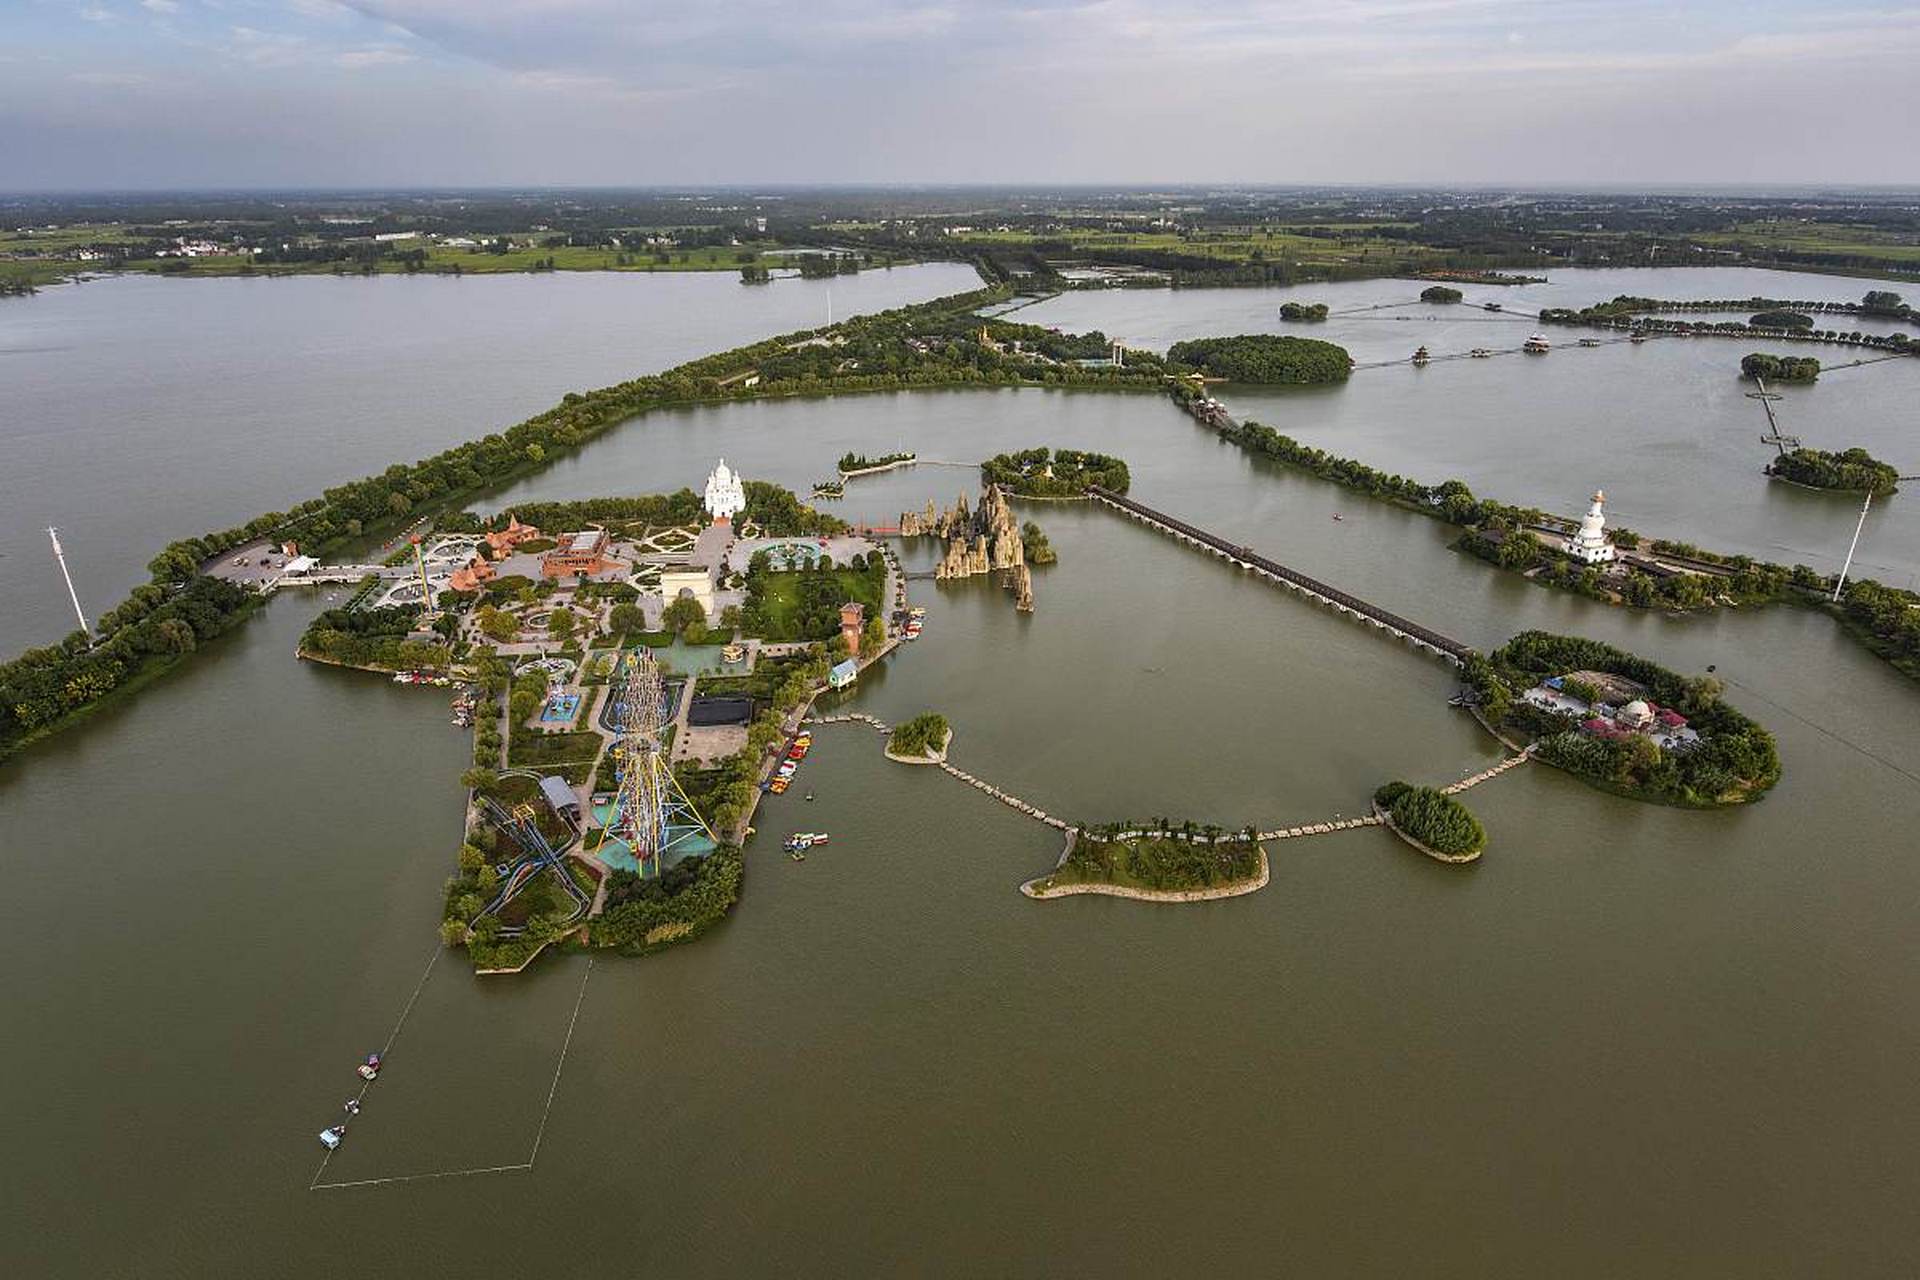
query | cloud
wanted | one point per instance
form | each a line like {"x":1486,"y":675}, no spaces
{"x":376,"y":56}
{"x":161,"y":6}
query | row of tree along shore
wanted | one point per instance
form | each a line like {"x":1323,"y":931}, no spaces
{"x":1885,"y":619}
{"x":932,"y":344}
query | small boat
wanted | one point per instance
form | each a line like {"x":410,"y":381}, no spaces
{"x":352,"y":1107}
{"x":1338,"y":516}
{"x":1636,"y":336}
{"x":1589,"y":342}
{"x":809,"y":795}
{"x":918,"y":611}
{"x":330,"y":1138}
{"x":1489,"y":306}
{"x":1537,"y":344}
{"x":1481,"y":353}
{"x":370,"y":1069}
{"x":1421,"y":357}
{"x":796,"y":855}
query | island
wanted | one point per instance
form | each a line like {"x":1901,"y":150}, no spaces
{"x":1760,"y":364}
{"x":1049,"y":473}
{"x":1621,"y":722}
{"x":921,"y":740}
{"x":1157,"y":862}
{"x":1263,"y":358}
{"x":1849,"y":471}
{"x":1305,"y":311}
{"x":1431,"y":821}
{"x":1440,"y":293}
{"x":859,"y":464}
{"x":1780,"y":319}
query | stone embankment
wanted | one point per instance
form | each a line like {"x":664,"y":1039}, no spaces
{"x":1510,"y":762}
{"x":1037,"y":888}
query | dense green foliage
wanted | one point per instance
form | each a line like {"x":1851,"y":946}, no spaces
{"x":1265,"y":358}
{"x":851,"y":461}
{"x":1888,"y":621}
{"x":1780,"y":320}
{"x":804,"y":604}
{"x":933,"y":344}
{"x":1063,"y":473}
{"x":1759,"y":364}
{"x":372,"y":638}
{"x":1851,"y":470}
{"x":152,"y":629}
{"x":1163,"y":860}
{"x":1440,"y":293}
{"x":1305,"y":311}
{"x":922,"y":735}
{"x":658,"y":510}
{"x":782,"y":515}
{"x":1734,"y":762}
{"x":1034,"y":547}
{"x":683,"y":902}
{"x":1432,"y":817}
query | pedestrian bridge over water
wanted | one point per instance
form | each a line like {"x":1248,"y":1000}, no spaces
{"x":1334,"y":598}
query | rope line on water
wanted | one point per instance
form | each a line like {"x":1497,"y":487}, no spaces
{"x":1822,"y":729}
{"x":385,"y":1049}
{"x":553,"y":1091}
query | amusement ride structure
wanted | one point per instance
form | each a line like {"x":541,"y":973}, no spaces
{"x":651,"y":814}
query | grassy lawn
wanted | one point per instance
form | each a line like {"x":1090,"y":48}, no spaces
{"x":781,"y":601}
{"x":1231,"y":245}
{"x":1821,"y":237}
{"x":531,"y":749}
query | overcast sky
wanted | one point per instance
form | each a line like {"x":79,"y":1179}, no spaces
{"x":99,"y":94}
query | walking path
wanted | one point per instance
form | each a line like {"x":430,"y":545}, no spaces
{"x":1353,"y":606}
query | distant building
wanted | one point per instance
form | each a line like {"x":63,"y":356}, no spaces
{"x":578,"y":553}
{"x":1590,"y":544}
{"x":843,"y":674}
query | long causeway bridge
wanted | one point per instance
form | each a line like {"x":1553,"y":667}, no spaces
{"x":1334,"y":598}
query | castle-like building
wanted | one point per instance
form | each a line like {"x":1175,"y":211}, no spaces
{"x":726,"y":495}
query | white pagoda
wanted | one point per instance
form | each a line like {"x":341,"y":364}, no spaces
{"x":1590,"y":545}
{"x":726,"y":495}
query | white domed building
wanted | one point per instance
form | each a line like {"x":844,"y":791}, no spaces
{"x":726,"y":495}
{"x":1590,"y":545}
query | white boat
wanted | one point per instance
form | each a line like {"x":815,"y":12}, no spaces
{"x":1537,"y":344}
{"x":330,"y":1138}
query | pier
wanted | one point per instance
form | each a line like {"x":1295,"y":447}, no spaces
{"x":1246,"y":558}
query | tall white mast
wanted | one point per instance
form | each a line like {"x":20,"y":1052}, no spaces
{"x":72,"y":595}
{"x":1842,"y":580}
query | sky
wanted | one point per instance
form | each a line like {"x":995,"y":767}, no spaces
{"x":158,"y":94}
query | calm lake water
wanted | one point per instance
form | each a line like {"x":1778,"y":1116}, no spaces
{"x":138,"y":410}
{"x":1629,"y":1041}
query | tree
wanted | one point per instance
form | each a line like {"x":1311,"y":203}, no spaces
{"x":872,"y":637}
{"x":626,"y":619}
{"x":560,"y":624}
{"x":682,"y":613}
{"x":1440,"y":293}
{"x":480,"y":779}
{"x":497,"y":625}
{"x":453,"y":932}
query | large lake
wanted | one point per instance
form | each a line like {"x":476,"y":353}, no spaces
{"x":1630,"y":1041}
{"x":135,"y":410}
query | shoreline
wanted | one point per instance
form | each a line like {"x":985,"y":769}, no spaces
{"x":1235,"y":889}
{"x":1452,"y":859}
